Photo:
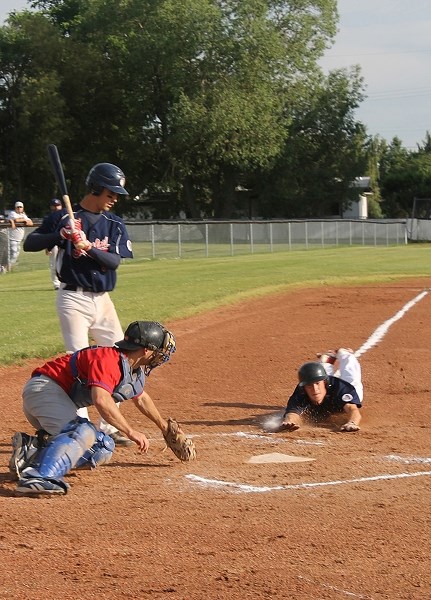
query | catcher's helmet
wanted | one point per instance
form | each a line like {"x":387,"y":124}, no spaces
{"x":151,"y":335}
{"x":106,"y":175}
{"x":311,"y":372}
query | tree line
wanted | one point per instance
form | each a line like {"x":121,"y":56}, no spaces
{"x":212,"y":108}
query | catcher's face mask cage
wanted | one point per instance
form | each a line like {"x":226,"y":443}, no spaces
{"x":162,"y":354}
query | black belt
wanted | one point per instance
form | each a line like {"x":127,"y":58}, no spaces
{"x":77,"y":288}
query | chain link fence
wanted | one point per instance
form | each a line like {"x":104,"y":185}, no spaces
{"x":201,"y":239}
{"x":229,"y":238}
{"x":4,"y":248}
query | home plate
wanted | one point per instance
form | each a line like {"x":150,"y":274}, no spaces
{"x":278,"y":457}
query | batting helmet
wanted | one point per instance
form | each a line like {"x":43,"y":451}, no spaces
{"x":106,"y":175}
{"x":311,"y":372}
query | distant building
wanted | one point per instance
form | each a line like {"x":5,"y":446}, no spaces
{"x":358,"y":209}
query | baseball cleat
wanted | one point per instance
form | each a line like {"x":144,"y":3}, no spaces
{"x":24,"y":446}
{"x":38,"y":486}
{"x":330,"y":356}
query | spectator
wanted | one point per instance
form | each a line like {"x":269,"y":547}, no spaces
{"x":18,"y":220}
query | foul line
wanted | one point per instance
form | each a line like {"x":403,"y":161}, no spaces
{"x":297,"y":486}
{"x":382,"y":329}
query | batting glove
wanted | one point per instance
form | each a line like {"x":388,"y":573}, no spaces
{"x":79,"y":240}
{"x":78,"y":253}
{"x":350,"y":426}
{"x":67,"y":232}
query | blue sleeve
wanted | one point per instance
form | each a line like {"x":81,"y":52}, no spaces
{"x":297,"y":402}
{"x":344,"y":393}
{"x":123,"y":245}
{"x":46,"y":235}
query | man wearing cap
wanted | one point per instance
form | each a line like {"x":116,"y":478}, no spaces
{"x":95,"y":376}
{"x":18,"y":220}
{"x":89,"y":254}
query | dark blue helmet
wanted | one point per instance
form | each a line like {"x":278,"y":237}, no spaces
{"x":106,"y":175}
{"x":311,"y":372}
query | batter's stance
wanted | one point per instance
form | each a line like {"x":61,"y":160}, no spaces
{"x":87,"y":274}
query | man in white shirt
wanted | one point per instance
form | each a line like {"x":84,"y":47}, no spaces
{"x":18,"y":220}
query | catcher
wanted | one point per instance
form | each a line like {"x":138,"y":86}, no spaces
{"x":97,"y":376}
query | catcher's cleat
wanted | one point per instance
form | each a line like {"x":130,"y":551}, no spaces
{"x":120,"y":440}
{"x":30,"y":485}
{"x":24,"y":448}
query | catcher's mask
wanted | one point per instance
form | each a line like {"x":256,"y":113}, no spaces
{"x":151,"y":335}
{"x":311,"y":372}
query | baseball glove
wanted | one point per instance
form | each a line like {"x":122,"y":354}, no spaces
{"x":182,"y":446}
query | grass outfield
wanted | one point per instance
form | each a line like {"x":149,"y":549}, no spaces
{"x":166,"y":290}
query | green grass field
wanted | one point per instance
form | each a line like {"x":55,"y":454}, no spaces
{"x":169,"y":289}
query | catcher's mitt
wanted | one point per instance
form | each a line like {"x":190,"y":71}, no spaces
{"x":180,"y":444}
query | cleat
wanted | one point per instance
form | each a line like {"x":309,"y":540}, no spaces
{"x":330,"y":356}
{"x":24,"y":448}
{"x":120,"y":440}
{"x":38,"y":486}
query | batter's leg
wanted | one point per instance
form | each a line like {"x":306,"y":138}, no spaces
{"x":106,"y":330}
{"x":76,"y":312}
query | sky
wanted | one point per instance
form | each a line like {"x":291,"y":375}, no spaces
{"x":391,"y":41}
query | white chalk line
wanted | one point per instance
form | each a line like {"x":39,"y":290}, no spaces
{"x":411,"y":460}
{"x":336,"y":589}
{"x":381,"y":331}
{"x":241,"y":487}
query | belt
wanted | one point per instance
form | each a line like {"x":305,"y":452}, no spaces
{"x":77,"y":288}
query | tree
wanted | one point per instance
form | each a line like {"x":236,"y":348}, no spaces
{"x":323,"y":153}
{"x":404,"y":176}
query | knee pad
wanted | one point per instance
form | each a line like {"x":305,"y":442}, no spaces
{"x":65,"y":449}
{"x":100,"y":453}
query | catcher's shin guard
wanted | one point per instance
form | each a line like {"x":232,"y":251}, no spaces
{"x":65,"y":449}
{"x":100,"y":453}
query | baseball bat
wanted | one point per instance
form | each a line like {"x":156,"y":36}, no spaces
{"x":57,"y":168}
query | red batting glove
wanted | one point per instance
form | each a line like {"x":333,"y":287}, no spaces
{"x":79,"y":240}
{"x":78,"y":253}
{"x":67,"y":232}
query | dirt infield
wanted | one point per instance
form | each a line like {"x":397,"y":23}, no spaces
{"x":353,"y":523}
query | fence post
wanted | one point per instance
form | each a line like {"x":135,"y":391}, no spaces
{"x":206,"y":240}
{"x":231,"y":238}
{"x":153,"y":242}
{"x":179,"y":239}
{"x":251,"y":238}
{"x":271,"y":249}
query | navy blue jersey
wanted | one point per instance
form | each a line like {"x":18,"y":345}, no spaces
{"x":338,"y":394}
{"x":94,"y":270}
